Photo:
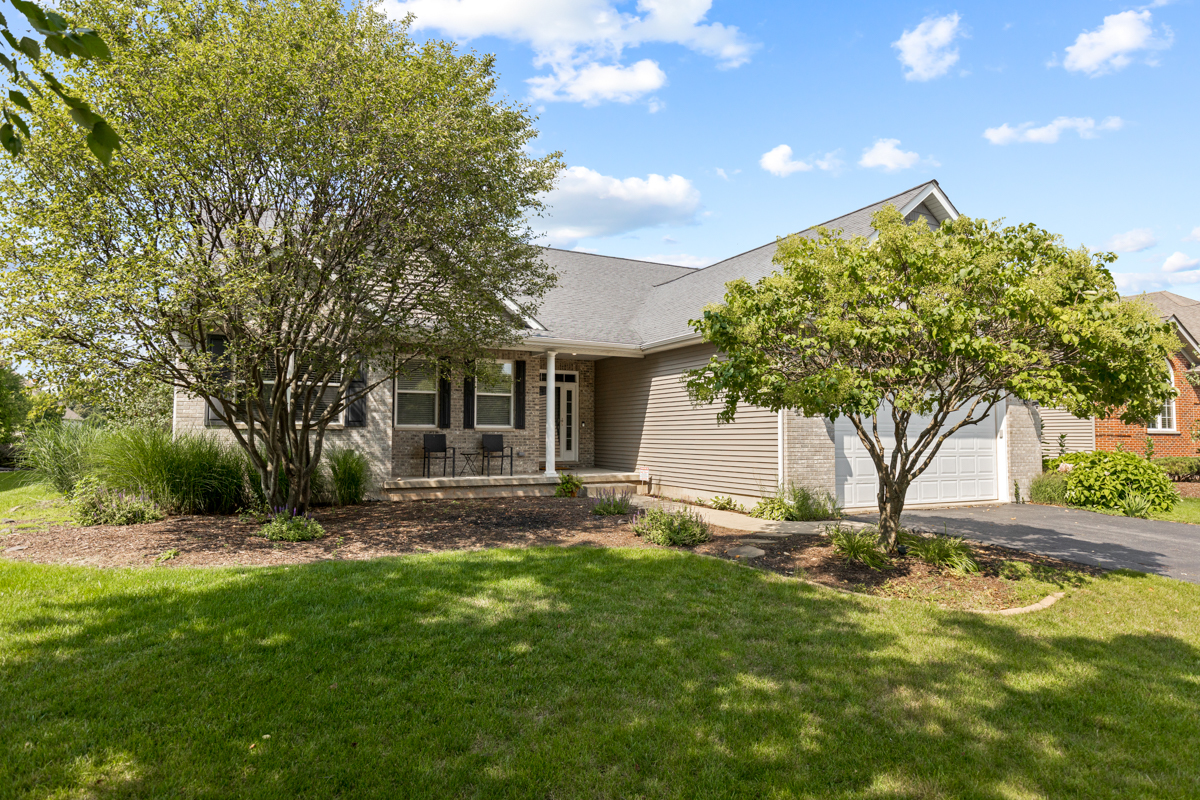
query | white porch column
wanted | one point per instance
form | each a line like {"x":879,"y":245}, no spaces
{"x":551,"y":444}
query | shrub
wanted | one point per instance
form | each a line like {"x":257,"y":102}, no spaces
{"x":941,"y":551}
{"x":611,"y":503}
{"x":186,"y":473}
{"x":93,"y":504}
{"x":568,"y":485}
{"x":1049,"y":489}
{"x":860,"y":545}
{"x":1135,"y":505}
{"x":349,"y":475}
{"x":681,"y":528}
{"x":284,"y":526}
{"x":794,"y":503}
{"x":723,"y":502}
{"x":1180,"y":468}
{"x":58,"y":453}
{"x":1101,"y":480}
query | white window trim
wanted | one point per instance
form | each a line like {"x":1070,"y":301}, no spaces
{"x":512,"y":400}
{"x":436,"y":398}
{"x":1174,"y":416}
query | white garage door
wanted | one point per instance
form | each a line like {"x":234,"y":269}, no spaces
{"x":964,"y":469}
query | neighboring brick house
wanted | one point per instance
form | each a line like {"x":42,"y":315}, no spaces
{"x":615,"y":334}
{"x":1170,"y":434}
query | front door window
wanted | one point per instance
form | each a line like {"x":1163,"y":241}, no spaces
{"x":566,"y":414}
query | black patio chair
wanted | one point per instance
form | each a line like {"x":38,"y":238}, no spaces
{"x":435,"y":445}
{"x":493,"y":447}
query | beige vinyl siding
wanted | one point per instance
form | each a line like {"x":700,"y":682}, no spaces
{"x":644,"y":417}
{"x":1081,"y":433}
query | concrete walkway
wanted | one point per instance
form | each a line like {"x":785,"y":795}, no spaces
{"x":740,"y":522}
{"x":1145,"y":545}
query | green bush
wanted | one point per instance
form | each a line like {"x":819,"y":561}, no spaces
{"x":1102,"y":480}
{"x":1049,"y":489}
{"x":58,"y":452}
{"x":185,"y":473}
{"x":568,"y":485}
{"x":681,"y":528}
{"x":941,"y":551}
{"x":1135,"y":505}
{"x":287,"y":527}
{"x":349,"y":476}
{"x":1179,"y":468}
{"x":94,"y":504}
{"x":723,"y":502}
{"x":858,"y":544}
{"x":794,"y":503}
{"x":611,"y":503}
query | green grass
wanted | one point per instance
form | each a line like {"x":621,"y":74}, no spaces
{"x":29,"y":503}
{"x":581,"y":672}
{"x":1186,"y":510}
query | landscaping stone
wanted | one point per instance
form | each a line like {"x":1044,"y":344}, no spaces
{"x":746,"y":551}
{"x":24,"y":546}
{"x":758,"y":541}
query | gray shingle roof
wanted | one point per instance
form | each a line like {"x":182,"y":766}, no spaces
{"x":621,"y":301}
{"x":1184,"y":309}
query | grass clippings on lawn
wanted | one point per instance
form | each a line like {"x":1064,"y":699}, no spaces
{"x":582,"y":672}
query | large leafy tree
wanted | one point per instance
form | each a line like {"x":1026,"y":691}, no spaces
{"x":919,"y":332}
{"x":14,"y":404}
{"x":304,"y":199}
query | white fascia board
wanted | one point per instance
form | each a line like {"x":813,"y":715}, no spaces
{"x":935,"y":198}
{"x":581,"y":347}
{"x":528,"y":320}
{"x":682,"y":340}
{"x":1193,"y":348}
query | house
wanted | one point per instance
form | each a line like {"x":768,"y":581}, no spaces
{"x":1169,"y":434}
{"x":606,"y":354}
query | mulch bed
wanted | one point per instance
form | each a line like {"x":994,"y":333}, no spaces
{"x":392,"y":529}
{"x":1188,"y":488}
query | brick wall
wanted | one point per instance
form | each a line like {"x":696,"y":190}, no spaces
{"x":809,"y":452}
{"x":1024,"y":447}
{"x":1112,"y":434}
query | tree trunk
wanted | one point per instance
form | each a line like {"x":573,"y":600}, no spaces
{"x":891,"y":505}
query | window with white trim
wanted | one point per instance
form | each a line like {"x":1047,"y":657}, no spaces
{"x":417,"y":395}
{"x":1165,"y":421}
{"x":494,"y":396}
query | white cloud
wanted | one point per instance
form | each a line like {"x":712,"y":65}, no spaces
{"x":586,"y":204}
{"x":925,"y":50}
{"x":1086,"y":127}
{"x":1113,"y":45}
{"x":1179,"y":262}
{"x":886,"y":153}
{"x":581,"y":41}
{"x":1137,"y":282}
{"x":1194,"y":236}
{"x":779,"y":161}
{"x":1134,"y":241}
{"x":679,"y":260}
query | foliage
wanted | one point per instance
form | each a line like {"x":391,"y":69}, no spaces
{"x":1049,"y":489}
{"x":95,"y":504}
{"x":569,"y":485}
{"x":797,"y":504}
{"x":723,"y":502}
{"x":920,"y":332}
{"x":346,"y":224}
{"x":682,"y":527}
{"x":1180,"y":468}
{"x":349,"y":475}
{"x":858,"y":544}
{"x":185,"y":473}
{"x":1135,"y":505}
{"x":287,"y":526}
{"x":44,"y":406}
{"x":57,"y":452}
{"x":950,"y":552}
{"x":65,"y":42}
{"x":14,"y":404}
{"x":611,"y":503}
{"x":1102,"y":480}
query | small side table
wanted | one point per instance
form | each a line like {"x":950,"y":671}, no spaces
{"x":470,"y":462}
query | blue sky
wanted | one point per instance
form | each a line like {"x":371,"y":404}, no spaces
{"x":695,"y":130}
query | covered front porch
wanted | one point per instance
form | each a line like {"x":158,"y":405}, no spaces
{"x":537,"y":484}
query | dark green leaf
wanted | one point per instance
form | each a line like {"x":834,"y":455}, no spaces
{"x":31,"y":48}
{"x":6,"y":133}
{"x":77,"y":46}
{"x":57,"y":45}
{"x":20,"y":123}
{"x":84,"y":117}
{"x":105,"y":135}
{"x":33,"y":13}
{"x":20,"y":99}
{"x":99,"y":149}
{"x":95,"y":45}
{"x":56,"y":23}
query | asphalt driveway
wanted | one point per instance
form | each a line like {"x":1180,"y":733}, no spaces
{"x":1145,"y":545}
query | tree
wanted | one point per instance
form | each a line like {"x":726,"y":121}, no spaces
{"x":305,"y":201}
{"x":920,"y":333}
{"x":14,"y":404}
{"x":65,"y":42}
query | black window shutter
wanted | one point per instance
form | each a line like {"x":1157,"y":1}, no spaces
{"x":519,"y":395}
{"x":469,"y":399}
{"x":443,"y":394}
{"x":356,"y":412}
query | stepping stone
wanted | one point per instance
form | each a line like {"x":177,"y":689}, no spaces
{"x":746,"y":551}
{"x":771,"y":534}
{"x":759,"y":541}
{"x":25,"y":546}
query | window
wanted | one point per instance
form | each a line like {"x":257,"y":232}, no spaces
{"x":1165,"y":421}
{"x":417,"y":394}
{"x":494,"y":396}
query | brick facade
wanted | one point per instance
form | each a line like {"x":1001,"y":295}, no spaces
{"x":1024,"y":447}
{"x":808,"y":452}
{"x":1112,"y":434}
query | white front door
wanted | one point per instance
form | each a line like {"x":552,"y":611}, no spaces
{"x":566,"y":415}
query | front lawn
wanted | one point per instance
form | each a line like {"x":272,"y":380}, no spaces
{"x":1186,"y":510}
{"x":582,"y":672}
{"x":29,"y":504}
